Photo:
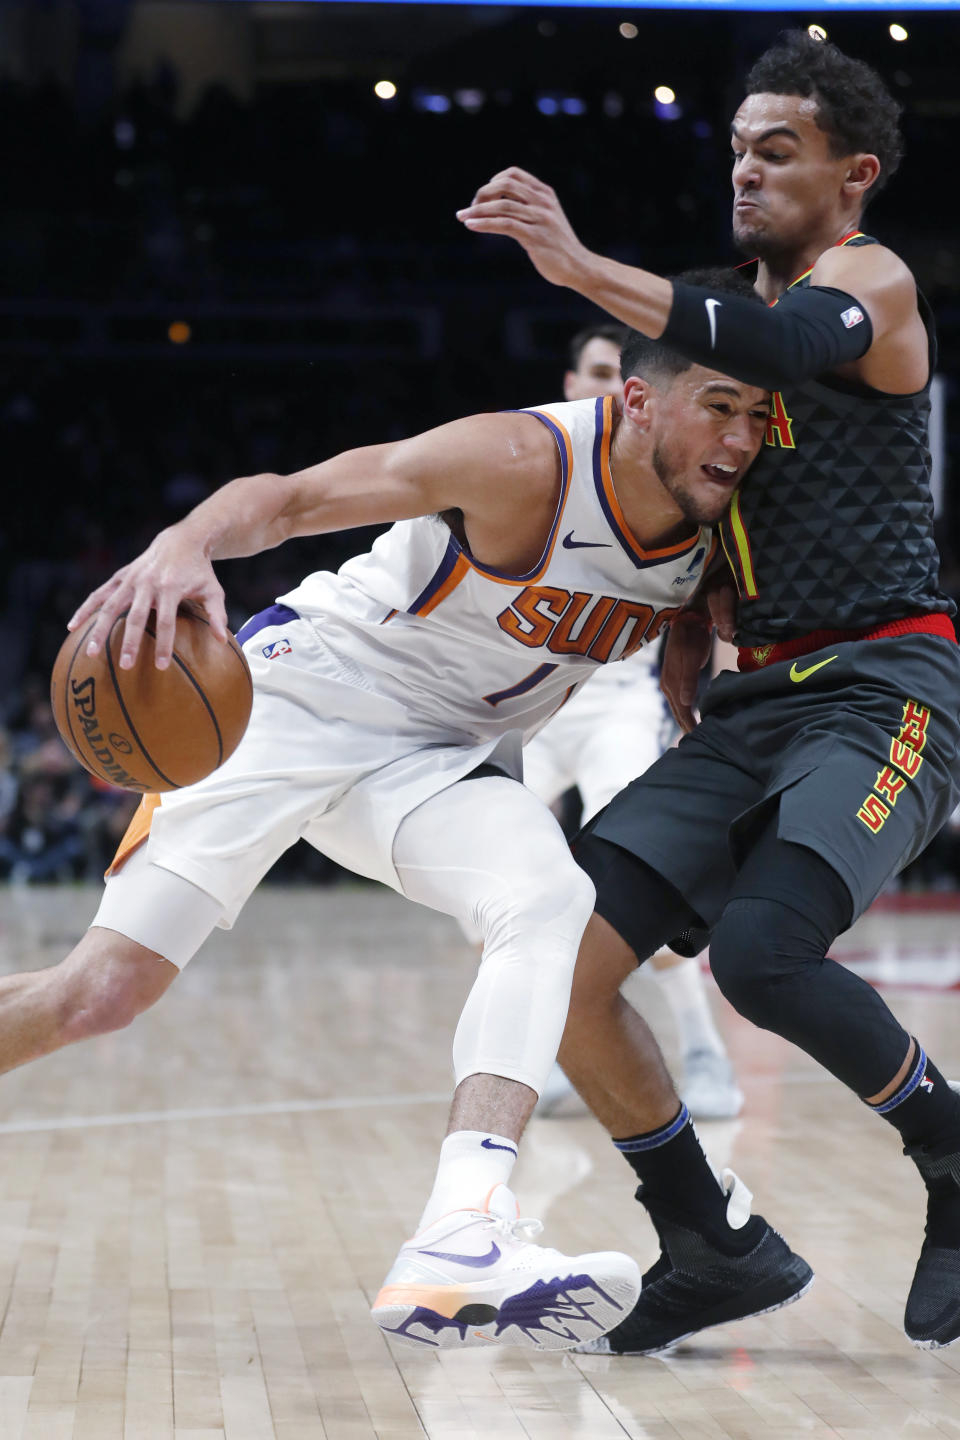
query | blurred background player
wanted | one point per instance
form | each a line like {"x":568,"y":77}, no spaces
{"x":605,"y":736}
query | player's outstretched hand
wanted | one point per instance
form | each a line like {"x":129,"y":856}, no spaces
{"x":686,"y":652}
{"x":517,"y":204}
{"x":173,"y":568}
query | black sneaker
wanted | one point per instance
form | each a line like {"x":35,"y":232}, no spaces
{"x":694,"y":1286}
{"x":932,"y":1316}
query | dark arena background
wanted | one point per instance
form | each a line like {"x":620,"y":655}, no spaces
{"x":221,"y":253}
{"x":228,"y":246}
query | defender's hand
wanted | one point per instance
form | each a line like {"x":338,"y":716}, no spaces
{"x":517,"y":204}
{"x":685,"y":654}
{"x":722,"y":603}
{"x":170,"y":570}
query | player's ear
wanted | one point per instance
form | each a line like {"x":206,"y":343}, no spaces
{"x":637,"y":393}
{"x":569,"y":381}
{"x":861,"y":174}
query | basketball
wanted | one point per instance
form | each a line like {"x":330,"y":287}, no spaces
{"x":147,"y":729}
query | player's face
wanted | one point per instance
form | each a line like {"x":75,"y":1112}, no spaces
{"x":598,"y":372}
{"x":706,"y":432}
{"x":786,"y":184}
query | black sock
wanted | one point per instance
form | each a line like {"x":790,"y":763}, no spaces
{"x":677,"y":1184}
{"x":923,"y":1108}
{"x":927,"y":1113}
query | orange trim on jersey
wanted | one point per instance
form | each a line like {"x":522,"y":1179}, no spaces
{"x":459,"y":570}
{"x":565,"y":446}
{"x":606,"y":480}
{"x":135,"y":834}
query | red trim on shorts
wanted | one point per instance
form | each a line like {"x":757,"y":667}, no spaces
{"x":758,"y":657}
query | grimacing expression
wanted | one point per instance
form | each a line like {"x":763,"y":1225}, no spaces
{"x":786,"y":182}
{"x":706,"y":432}
{"x":598,"y":372}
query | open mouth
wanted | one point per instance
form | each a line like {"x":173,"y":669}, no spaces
{"x":721,"y":474}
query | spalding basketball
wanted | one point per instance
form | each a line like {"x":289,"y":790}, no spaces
{"x":147,"y":729}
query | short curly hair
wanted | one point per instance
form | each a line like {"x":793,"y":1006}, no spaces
{"x":854,"y":107}
{"x":651,"y":358}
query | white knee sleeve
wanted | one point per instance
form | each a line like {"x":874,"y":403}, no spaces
{"x":489,"y":851}
{"x":158,"y":909}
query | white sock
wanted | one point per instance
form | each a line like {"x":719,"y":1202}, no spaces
{"x":686,"y":994}
{"x":471,"y":1163}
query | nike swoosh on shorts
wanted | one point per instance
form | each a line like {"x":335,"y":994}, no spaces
{"x":797,"y":675}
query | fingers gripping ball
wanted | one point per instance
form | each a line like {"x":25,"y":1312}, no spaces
{"x":147,"y":729}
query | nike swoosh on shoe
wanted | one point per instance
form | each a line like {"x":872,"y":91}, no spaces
{"x":477,"y":1261}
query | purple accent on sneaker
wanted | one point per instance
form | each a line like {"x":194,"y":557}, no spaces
{"x":492,"y":1145}
{"x":273,"y":615}
{"x":550,"y":1305}
{"x":477,"y":1262}
{"x":430,"y":1320}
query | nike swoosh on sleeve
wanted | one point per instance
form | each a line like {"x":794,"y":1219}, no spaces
{"x":712,"y":306}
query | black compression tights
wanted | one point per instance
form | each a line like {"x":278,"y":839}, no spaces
{"x":768,"y":956}
{"x":768,"y":951}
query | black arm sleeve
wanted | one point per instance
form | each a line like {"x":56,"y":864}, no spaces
{"x":807,"y":333}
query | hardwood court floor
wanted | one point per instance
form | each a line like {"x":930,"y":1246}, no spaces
{"x":194,"y":1213}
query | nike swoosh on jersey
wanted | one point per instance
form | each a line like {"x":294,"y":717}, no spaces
{"x":570,"y":544}
{"x":798,"y":675}
{"x":489,"y":1144}
{"x":478,"y":1262}
{"x":712,"y":307}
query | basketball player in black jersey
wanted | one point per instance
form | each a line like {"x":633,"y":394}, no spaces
{"x":831,"y":759}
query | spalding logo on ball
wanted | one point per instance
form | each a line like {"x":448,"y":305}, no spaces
{"x":147,"y":729}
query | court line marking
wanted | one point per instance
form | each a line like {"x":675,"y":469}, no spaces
{"x":220,"y":1112}
{"x":289,"y":1107}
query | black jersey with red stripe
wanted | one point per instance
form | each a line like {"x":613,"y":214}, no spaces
{"x":833,"y":526}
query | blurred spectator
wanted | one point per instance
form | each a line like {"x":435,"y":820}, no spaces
{"x":43,"y":839}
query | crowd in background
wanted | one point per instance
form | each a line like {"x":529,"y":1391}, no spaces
{"x":268,"y":202}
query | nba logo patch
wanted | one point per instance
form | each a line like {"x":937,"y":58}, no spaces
{"x":852,"y":317}
{"x":277,"y":647}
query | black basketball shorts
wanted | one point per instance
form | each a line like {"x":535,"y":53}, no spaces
{"x":855,"y":747}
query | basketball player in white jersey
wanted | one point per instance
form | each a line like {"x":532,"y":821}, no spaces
{"x":602,"y":739}
{"x":391,"y":701}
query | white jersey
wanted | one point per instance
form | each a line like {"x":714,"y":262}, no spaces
{"x":480,"y":652}
{"x":610,"y":732}
{"x":378,"y":687}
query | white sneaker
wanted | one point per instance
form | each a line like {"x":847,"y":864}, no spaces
{"x":473,"y":1277}
{"x":710,"y":1090}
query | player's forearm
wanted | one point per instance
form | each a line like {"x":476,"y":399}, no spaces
{"x":636,"y":297}
{"x":243,"y":517}
{"x":372,"y":485}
